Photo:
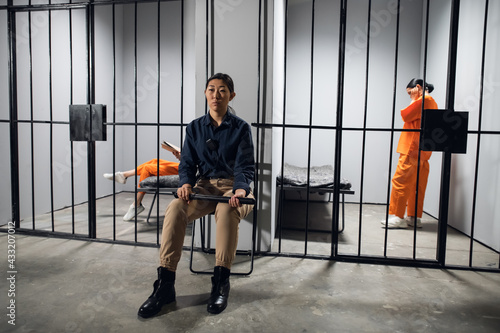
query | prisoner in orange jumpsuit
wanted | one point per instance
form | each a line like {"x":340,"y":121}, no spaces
{"x":144,"y":171}
{"x":404,"y":181}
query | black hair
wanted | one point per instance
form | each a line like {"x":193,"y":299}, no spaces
{"x":413,"y":83}
{"x":224,"y":77}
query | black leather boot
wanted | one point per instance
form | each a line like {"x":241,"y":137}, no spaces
{"x":220,"y":290}
{"x":163,"y":293}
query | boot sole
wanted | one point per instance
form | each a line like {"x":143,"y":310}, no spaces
{"x":215,"y":311}
{"x":149,"y":315}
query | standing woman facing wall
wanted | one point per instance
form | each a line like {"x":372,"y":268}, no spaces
{"x":404,"y":181}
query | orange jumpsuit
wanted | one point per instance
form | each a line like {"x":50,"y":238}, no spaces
{"x":150,"y":168}
{"x":404,"y":182}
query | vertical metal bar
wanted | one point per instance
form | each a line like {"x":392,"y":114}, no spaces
{"x":91,"y":100}
{"x":311,"y":91}
{"x":32,"y":129}
{"x":51,"y":126}
{"x":14,"y":138}
{"x":396,"y":60}
{"x":158,"y":91}
{"x":256,"y":175}
{"x":207,"y":32}
{"x":135,"y":118}
{"x":338,"y":133}
{"x":212,"y":39}
{"x":363,"y":146}
{"x":424,"y":78}
{"x":91,"y":188}
{"x":282,"y":193}
{"x":259,"y":50}
{"x":182,"y":78}
{"x":450,"y":104}
{"x":476,"y":173}
{"x":114,"y":117}
{"x":259,"y":32}
{"x":209,"y":41}
{"x":71,"y":144}
{"x":182,"y":73}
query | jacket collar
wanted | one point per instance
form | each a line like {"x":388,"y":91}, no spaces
{"x":225,"y":121}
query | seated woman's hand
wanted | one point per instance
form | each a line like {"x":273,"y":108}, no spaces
{"x":184,"y":192}
{"x":177,"y":155}
{"x":239,"y":193}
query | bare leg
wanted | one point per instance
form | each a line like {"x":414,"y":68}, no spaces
{"x":140,"y":196}
{"x":129,"y":173}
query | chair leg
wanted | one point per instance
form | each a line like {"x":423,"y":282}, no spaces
{"x":193,"y":232}
{"x":202,"y":234}
{"x":192,"y":247}
{"x":202,"y":222}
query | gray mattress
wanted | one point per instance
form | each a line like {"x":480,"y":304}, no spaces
{"x":319,"y":176}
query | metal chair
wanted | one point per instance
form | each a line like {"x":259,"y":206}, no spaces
{"x":203,"y":225}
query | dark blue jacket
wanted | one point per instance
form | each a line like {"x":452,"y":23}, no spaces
{"x":228,"y":154}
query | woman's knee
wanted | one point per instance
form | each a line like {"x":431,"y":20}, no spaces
{"x":176,"y":208}
{"x":224,"y":208}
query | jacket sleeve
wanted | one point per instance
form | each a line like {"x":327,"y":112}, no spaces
{"x":412,"y":112}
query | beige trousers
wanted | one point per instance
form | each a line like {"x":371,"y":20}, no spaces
{"x":227,"y":218}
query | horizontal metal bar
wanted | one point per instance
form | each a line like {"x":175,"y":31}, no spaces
{"x":380,"y":261}
{"x":339,"y":258}
{"x":350,"y":129}
{"x":354,"y":129}
{"x":484,"y":132}
{"x":79,"y":5}
{"x":260,"y":125}
{"x":146,"y":124}
{"x":56,"y":122}
{"x":217,"y":198}
{"x":53,"y":122}
{"x":43,"y":7}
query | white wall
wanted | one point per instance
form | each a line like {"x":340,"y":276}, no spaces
{"x":487,"y":227}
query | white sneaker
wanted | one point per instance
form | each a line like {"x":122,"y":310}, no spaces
{"x":132,"y":212}
{"x":410,"y":219}
{"x":117,"y":177}
{"x":395,"y":222}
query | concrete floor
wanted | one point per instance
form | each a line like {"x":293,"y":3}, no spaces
{"x":78,"y":286}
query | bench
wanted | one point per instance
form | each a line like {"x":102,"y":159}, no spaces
{"x":320,"y":181}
